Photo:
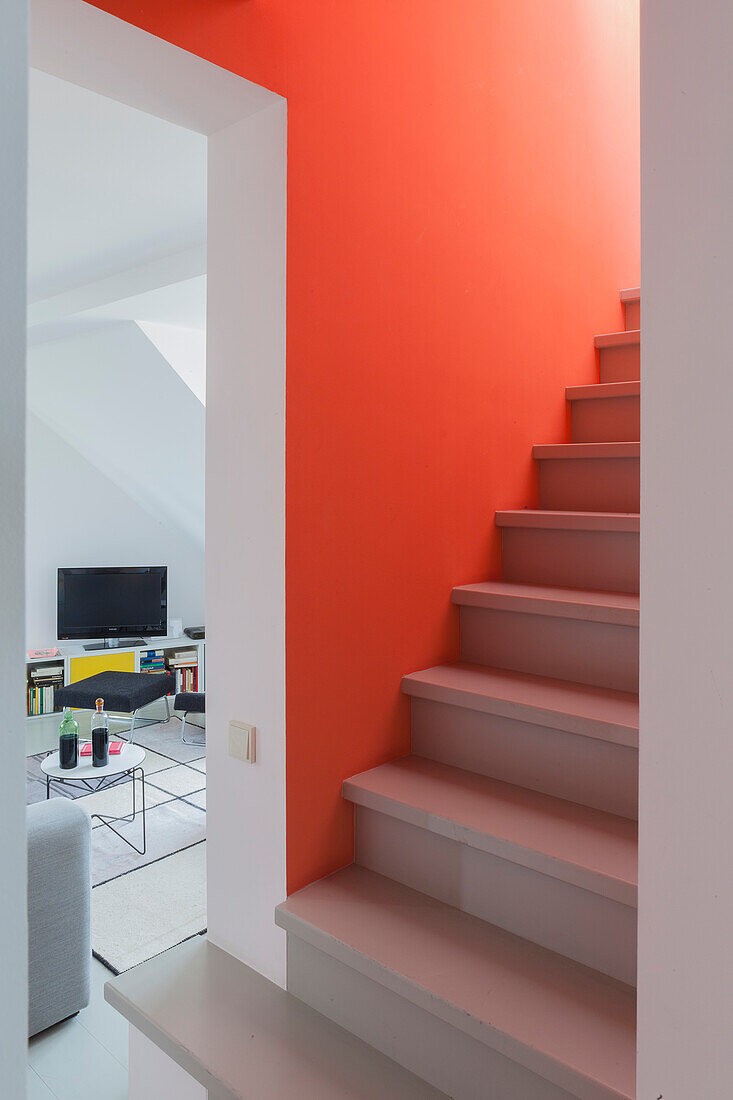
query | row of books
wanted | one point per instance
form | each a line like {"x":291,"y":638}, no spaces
{"x":185,"y":664}
{"x":40,"y":700}
{"x":152,"y":660}
{"x":42,"y":683}
{"x":187,"y":679}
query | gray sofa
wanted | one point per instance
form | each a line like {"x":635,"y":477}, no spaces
{"x":59,"y":911}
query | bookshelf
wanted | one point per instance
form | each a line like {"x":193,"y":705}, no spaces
{"x":183,"y":656}
{"x":42,"y":679}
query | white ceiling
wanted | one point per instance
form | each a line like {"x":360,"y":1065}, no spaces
{"x":181,"y":303}
{"x":110,"y":188}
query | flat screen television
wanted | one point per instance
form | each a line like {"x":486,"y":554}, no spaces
{"x":112,"y":602}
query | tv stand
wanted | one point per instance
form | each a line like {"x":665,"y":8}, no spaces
{"x":117,"y":643}
{"x":73,"y":663}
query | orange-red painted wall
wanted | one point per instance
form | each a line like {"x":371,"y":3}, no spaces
{"x":463,"y":207}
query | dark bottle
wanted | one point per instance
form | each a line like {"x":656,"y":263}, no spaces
{"x":100,"y":737}
{"x":68,"y":741}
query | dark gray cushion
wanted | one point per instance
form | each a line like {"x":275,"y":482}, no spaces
{"x":123,"y":691}
{"x":193,"y":702}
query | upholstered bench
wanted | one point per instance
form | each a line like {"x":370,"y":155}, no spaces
{"x":190,"y":702}
{"x":127,"y":692}
{"x":59,"y":911}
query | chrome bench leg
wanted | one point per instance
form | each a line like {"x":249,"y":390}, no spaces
{"x":183,"y":733}
{"x":148,"y":721}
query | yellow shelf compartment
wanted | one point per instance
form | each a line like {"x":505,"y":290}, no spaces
{"x":81,"y":667}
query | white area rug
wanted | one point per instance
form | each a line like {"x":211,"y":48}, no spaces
{"x":146,"y":911}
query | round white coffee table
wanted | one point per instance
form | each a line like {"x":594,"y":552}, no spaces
{"x":85,"y":776}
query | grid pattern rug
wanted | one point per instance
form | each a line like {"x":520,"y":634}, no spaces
{"x":144,"y":904}
{"x":141,"y":913}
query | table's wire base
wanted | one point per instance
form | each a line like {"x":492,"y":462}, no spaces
{"x":104,"y":784}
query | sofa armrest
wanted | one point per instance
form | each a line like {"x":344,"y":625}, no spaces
{"x":59,"y":911}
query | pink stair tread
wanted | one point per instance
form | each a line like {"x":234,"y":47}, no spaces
{"x":601,"y":390}
{"x":560,"y":704}
{"x":586,"y":450}
{"x":569,"y":1024}
{"x":631,"y":294}
{"x":618,"y":339}
{"x":570,"y":521}
{"x":590,"y":849}
{"x":620,"y":608}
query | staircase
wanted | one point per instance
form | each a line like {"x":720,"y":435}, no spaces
{"x":485,"y":936}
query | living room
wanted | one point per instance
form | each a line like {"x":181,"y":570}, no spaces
{"x":115,"y":642}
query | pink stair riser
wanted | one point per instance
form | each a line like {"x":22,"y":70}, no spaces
{"x":633,"y":314}
{"x":590,"y":484}
{"x":581,"y":558}
{"x":605,"y":654}
{"x":606,"y":420}
{"x":631,"y":299}
{"x":555,"y":837}
{"x":620,"y":364}
{"x":577,"y":923}
{"x":540,"y":757}
{"x":457,"y":1064}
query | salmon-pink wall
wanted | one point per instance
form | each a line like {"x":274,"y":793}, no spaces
{"x":463,"y":194}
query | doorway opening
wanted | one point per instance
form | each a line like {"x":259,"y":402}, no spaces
{"x":115,"y":460}
{"x":154,"y":337}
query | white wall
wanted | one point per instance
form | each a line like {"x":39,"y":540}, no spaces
{"x":13,"y":139}
{"x":245,"y":532}
{"x":184,"y":347}
{"x":109,"y":187}
{"x":65,"y":495}
{"x":686,"y":734}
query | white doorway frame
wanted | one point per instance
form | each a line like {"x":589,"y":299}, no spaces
{"x":245,"y":437}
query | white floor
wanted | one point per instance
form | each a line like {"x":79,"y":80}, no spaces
{"x":84,"y":1058}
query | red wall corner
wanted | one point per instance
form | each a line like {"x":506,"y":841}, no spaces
{"x":463,"y":207}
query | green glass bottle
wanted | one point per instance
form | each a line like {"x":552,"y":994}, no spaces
{"x":68,"y":740}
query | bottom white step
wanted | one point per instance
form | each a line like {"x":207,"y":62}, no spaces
{"x":558,"y":1021}
{"x":239,"y":1035}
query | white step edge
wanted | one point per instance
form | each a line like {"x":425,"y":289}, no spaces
{"x":600,"y":391}
{"x":553,"y":519}
{"x":624,"y":338}
{"x":617,"y":608}
{"x":570,"y":451}
{"x":600,"y":713}
{"x":240,"y":1035}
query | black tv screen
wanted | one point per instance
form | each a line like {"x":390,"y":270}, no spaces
{"x":110,"y":603}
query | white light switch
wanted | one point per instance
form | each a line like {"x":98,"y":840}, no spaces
{"x":242,"y":741}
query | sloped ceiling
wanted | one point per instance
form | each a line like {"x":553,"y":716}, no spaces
{"x":117,"y":225}
{"x":111,"y":395}
{"x":109,"y":187}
